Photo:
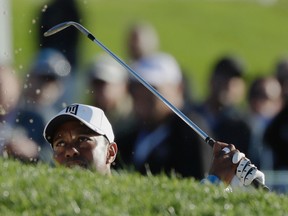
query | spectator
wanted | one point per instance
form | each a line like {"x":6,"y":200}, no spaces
{"x":108,"y":83}
{"x":20,"y":134}
{"x":264,"y":102}
{"x":45,"y":84}
{"x":44,"y":93}
{"x":161,"y":141}
{"x":281,"y":73}
{"x":276,"y":133}
{"x":276,"y":138}
{"x":221,"y":108}
{"x":143,"y":41}
{"x":66,"y":42}
{"x":9,"y":97}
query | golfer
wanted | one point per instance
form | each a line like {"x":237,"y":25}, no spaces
{"x":81,"y":135}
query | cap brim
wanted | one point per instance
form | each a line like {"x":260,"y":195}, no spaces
{"x":59,"y":120}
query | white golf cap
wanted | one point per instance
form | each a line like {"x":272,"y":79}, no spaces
{"x":159,"y":69}
{"x":93,"y":117}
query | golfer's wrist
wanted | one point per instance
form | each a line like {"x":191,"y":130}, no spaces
{"x":213,"y":179}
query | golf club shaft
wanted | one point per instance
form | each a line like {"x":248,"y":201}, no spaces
{"x":188,"y":121}
{"x":201,"y":133}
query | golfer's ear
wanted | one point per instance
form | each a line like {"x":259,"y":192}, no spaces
{"x":112,"y":152}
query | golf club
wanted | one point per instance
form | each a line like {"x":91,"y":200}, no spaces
{"x":188,"y":121}
{"x":64,"y":25}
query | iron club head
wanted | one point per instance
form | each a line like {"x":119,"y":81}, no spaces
{"x":65,"y":25}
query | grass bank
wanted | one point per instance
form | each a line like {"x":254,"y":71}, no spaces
{"x":42,"y":190}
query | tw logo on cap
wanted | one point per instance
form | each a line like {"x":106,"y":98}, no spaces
{"x":72,"y":109}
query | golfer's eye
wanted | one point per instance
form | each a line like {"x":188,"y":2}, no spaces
{"x":83,"y":139}
{"x":84,"y":142}
{"x":59,"y":144}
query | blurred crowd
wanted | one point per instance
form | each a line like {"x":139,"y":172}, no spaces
{"x":150,"y":137}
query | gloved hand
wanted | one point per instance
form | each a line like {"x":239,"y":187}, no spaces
{"x":246,"y":171}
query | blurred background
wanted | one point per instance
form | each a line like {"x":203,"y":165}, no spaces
{"x":195,"y":32}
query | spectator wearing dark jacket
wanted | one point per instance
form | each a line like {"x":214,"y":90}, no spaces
{"x":161,"y":141}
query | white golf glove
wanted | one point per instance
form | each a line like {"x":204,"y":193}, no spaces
{"x":246,"y":171}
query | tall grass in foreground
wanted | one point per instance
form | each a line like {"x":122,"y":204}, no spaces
{"x":42,"y":190}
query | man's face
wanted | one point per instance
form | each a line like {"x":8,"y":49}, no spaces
{"x":106,"y":94}
{"x":74,"y":144}
{"x":228,"y":90}
{"x":148,"y":107}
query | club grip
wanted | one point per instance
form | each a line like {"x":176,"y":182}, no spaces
{"x":210,"y":141}
{"x":257,"y":184}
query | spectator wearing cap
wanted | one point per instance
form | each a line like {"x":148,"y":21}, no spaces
{"x":108,"y":90}
{"x":43,"y":96}
{"x":161,"y":142}
{"x":81,"y":135}
{"x":45,"y":87}
{"x":221,"y":108}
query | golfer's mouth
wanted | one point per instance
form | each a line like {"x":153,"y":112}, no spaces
{"x":75,"y":163}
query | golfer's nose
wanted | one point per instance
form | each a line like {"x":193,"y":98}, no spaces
{"x":71,"y":152}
